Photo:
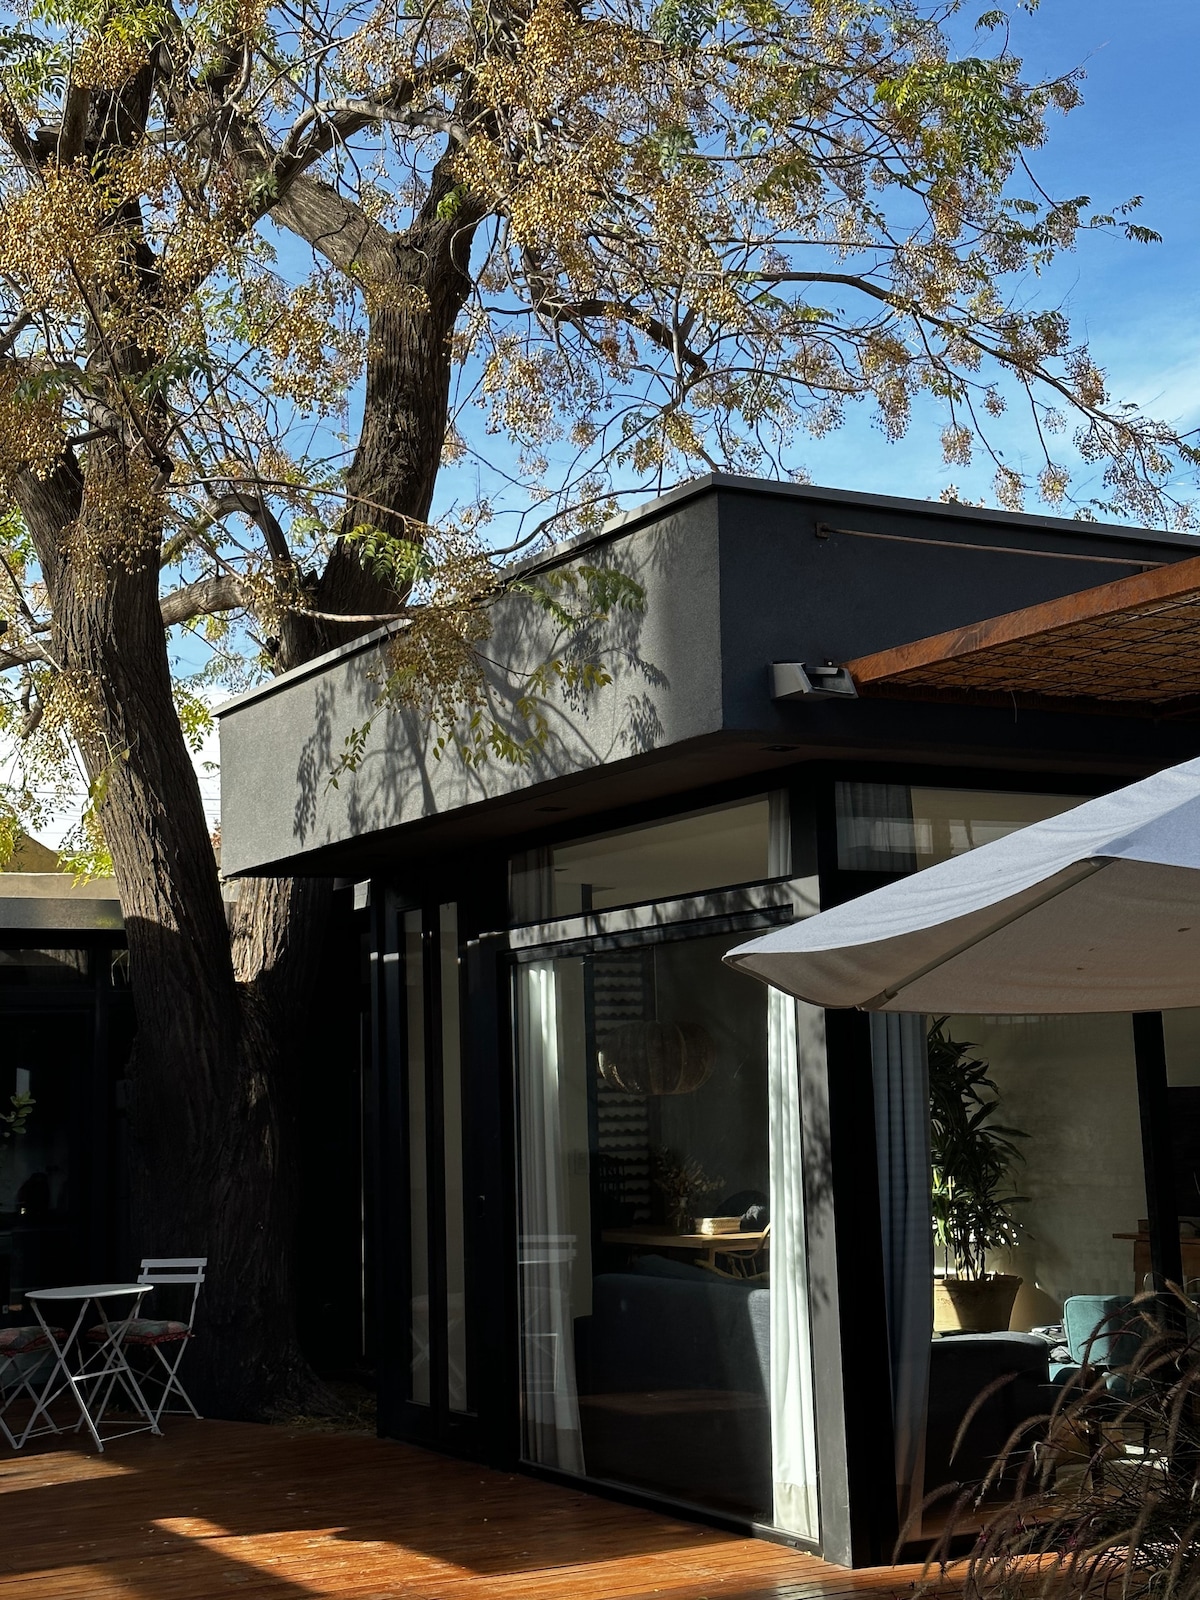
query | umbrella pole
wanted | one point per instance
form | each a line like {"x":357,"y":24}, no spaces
{"x":1162,"y":1214}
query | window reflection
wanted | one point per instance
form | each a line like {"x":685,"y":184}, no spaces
{"x":44,"y":1068}
{"x":711,"y":849}
{"x":653,"y":1150}
{"x":890,"y":827}
{"x":43,"y":968}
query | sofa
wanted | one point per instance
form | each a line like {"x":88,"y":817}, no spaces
{"x":1103,"y":1333}
{"x":673,"y":1373}
{"x":961,"y":1367}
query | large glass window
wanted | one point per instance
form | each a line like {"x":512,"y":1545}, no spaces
{"x":44,"y":968}
{"x":891,"y":827}
{"x":664,"y":1311}
{"x":711,"y":849}
{"x":1068,"y":1086}
{"x":437,"y":1221}
{"x":1038,"y":1194}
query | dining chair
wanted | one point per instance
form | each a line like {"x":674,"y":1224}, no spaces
{"x":23,"y":1353}
{"x":166,"y":1338}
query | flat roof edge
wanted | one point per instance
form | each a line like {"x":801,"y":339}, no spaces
{"x":696,"y":488}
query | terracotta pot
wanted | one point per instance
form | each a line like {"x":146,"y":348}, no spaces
{"x":974,"y":1305}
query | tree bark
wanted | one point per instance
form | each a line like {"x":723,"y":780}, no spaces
{"x":213,"y":1161}
{"x":418,"y":283}
{"x":220,"y":1008}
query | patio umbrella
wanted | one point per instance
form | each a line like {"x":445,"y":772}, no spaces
{"x":1095,"y":910}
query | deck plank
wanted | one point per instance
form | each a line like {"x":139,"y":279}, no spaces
{"x":215,"y":1509}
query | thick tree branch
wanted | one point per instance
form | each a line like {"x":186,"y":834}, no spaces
{"x":23,"y":655}
{"x":14,"y":131}
{"x":660,"y":333}
{"x":74,"y":124}
{"x":205,"y":598}
{"x":334,"y":121}
{"x":257,"y":509}
{"x":366,"y":112}
{"x":14,"y":331}
{"x":335,"y":227}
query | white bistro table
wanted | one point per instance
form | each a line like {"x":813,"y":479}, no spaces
{"x":90,"y":1368}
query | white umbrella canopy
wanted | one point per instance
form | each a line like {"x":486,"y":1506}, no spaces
{"x":1097,"y":909}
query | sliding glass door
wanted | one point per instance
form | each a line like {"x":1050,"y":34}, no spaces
{"x":425,"y":1353}
{"x":664,"y":1327}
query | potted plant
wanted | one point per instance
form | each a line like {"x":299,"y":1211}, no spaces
{"x":972,"y":1157}
{"x":683,"y":1185}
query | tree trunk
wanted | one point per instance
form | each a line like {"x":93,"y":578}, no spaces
{"x":391,"y":481}
{"x":213,"y":1171}
{"x":219,"y":1010}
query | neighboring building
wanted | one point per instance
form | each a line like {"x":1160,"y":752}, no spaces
{"x":559,"y":1074}
{"x":65,"y":1027}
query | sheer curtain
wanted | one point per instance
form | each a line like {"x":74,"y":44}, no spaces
{"x":779,"y":834}
{"x":547,"y":1246}
{"x":793,"y":1426}
{"x":531,"y":885}
{"x":900,"y":1068}
{"x":875,"y":827}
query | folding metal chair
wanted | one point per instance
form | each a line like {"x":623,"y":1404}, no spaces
{"x":167,"y":1340}
{"x":23,"y":1355}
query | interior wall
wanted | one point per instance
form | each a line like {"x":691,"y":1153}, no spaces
{"x":1069,"y":1084}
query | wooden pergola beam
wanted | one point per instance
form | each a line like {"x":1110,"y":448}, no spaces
{"x":1083,"y":613}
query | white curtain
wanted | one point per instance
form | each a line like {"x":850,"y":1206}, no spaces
{"x":779,"y":834}
{"x":531,"y":885}
{"x":900,"y":1068}
{"x":793,"y":1428}
{"x":547,"y":1245}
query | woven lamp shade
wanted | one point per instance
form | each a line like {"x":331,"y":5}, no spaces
{"x":657,"y":1057}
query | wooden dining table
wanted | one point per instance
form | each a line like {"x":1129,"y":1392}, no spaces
{"x":654,"y":1236}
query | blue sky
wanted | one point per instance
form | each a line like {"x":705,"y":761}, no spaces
{"x":1137,"y":132}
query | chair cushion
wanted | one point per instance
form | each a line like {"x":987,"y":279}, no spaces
{"x":1084,"y":1379}
{"x":145,"y":1330}
{"x":1103,"y":1330}
{"x":16,"y":1341}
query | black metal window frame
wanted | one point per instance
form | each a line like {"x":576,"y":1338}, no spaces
{"x":733,"y":911}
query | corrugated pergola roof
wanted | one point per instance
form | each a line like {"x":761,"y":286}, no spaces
{"x":1135,"y":641}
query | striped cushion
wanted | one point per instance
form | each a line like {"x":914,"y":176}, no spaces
{"x":16,"y":1341}
{"x":144,"y":1330}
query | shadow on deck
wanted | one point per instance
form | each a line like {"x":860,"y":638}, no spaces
{"x":219,"y":1508}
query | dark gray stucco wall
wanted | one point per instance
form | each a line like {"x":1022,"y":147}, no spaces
{"x":790,"y":594}
{"x":279,"y":747}
{"x":736,"y":575}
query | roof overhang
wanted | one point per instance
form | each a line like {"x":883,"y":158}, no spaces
{"x":1132,"y":644}
{"x":42,"y":916}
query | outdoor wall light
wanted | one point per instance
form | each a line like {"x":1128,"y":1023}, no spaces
{"x":793,"y":680}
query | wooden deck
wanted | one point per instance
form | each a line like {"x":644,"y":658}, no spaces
{"x":229,"y":1509}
